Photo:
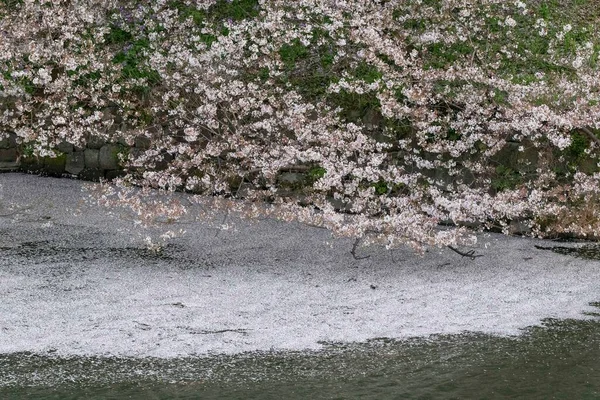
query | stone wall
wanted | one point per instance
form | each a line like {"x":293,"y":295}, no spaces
{"x":97,"y":160}
{"x":100,"y":160}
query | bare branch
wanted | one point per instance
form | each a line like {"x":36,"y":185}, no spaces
{"x":471,"y":253}
{"x":353,"y":251}
{"x":591,"y":135}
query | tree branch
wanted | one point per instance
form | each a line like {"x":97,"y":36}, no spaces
{"x":591,"y":135}
{"x":353,"y":251}
{"x":471,"y":253}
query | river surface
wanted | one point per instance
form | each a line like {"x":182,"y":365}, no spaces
{"x":559,"y":360}
{"x":281,"y":311}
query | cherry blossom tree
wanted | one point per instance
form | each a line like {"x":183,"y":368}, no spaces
{"x":389,"y":121}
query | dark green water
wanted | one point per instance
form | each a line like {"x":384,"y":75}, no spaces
{"x":559,"y":360}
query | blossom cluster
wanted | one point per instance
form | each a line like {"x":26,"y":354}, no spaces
{"x":398,"y":114}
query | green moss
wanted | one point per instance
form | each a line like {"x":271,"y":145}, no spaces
{"x":579,"y":143}
{"x":326,"y":59}
{"x":56,"y":162}
{"x":595,"y":56}
{"x":453,"y":135}
{"x":381,"y":187}
{"x":121,"y":152}
{"x":263,"y":74}
{"x":313,"y":86}
{"x":185,"y":12}
{"x":10,"y":5}
{"x":27,"y":85}
{"x":544,"y":9}
{"x":367,"y":73}
{"x":117,"y":35}
{"x":292,"y":52}
{"x":529,"y":52}
{"x":441,"y":55}
{"x":132,"y":58}
{"x":500,"y":97}
{"x":413,"y":23}
{"x":145,"y":117}
{"x":315,"y":173}
{"x":221,"y":11}
{"x":506,"y":178}
{"x":27,"y":150}
{"x":85,"y":79}
{"x":355,"y":106}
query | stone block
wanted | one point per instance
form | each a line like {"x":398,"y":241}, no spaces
{"x":508,"y":156}
{"x":55,"y":166}
{"x":114,"y":173}
{"x":142,"y":142}
{"x":9,"y":166}
{"x":372,"y":119}
{"x":65,"y":147}
{"x":75,"y":163}
{"x":95,"y":142}
{"x":112,"y":114}
{"x":113,"y":130}
{"x":8,"y":155}
{"x":7,"y":142}
{"x":163,"y":162}
{"x":91,"y":157}
{"x":135,"y":152}
{"x":91,"y":174}
{"x":122,"y":140}
{"x":108,"y":157}
{"x":29,"y":163}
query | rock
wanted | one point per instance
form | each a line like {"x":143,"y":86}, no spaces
{"x":108,"y":157}
{"x":31,"y":164}
{"x":55,"y":165}
{"x":163,"y":162}
{"x":372,"y":119}
{"x":122,"y":140}
{"x":9,"y":166}
{"x":339,"y":204}
{"x":75,"y":163}
{"x":65,"y":147}
{"x":8,"y":155}
{"x":7,"y":142}
{"x":135,"y":153}
{"x":91,"y":157}
{"x":114,"y":173}
{"x":91,"y":174}
{"x":95,"y":142}
{"x":142,"y":142}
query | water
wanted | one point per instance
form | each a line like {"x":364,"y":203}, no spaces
{"x":47,"y":302}
{"x":559,"y":360}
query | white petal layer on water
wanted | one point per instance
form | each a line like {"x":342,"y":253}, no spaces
{"x":73,"y":282}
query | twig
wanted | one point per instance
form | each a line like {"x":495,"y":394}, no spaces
{"x":353,"y":251}
{"x":471,"y":253}
{"x":207,"y":332}
{"x":591,"y":135}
